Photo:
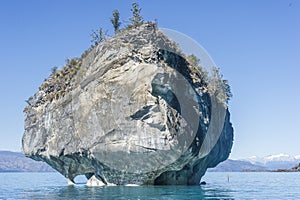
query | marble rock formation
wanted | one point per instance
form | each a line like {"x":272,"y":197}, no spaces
{"x":131,"y":110}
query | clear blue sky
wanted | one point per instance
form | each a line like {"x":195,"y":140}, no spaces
{"x":255,"y":43}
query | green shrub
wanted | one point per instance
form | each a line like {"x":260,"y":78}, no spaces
{"x":116,"y":20}
{"x":136,"y":18}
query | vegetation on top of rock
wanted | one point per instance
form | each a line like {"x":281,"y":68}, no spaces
{"x":197,"y":70}
{"x":116,"y":20}
{"x":216,"y":85}
{"x":54,"y":69}
{"x":136,"y":18}
{"x":57,"y":85}
{"x":98,"y":36}
{"x":219,"y":87}
{"x":59,"y":82}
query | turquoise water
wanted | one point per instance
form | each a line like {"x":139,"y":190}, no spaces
{"x":220,"y":185}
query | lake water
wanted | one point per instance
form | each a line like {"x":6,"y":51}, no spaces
{"x":220,"y":185}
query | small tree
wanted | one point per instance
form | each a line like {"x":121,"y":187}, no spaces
{"x":193,"y":60}
{"x":54,"y":69}
{"x":116,"y":20}
{"x":29,"y":100}
{"x":136,"y":18}
{"x":219,"y":87}
{"x":194,"y":63}
{"x":98,"y":36}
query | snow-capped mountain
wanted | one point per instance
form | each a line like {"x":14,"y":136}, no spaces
{"x":280,"y":157}
{"x":255,"y":163}
{"x":273,"y":162}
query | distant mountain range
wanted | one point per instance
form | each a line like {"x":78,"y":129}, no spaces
{"x":273,"y":162}
{"x":236,"y":166}
{"x":254,"y":163}
{"x":17,"y":162}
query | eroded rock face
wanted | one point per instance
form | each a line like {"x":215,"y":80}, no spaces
{"x":134,"y":112}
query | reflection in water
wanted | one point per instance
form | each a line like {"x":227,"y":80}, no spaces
{"x":140,"y":192}
{"x":241,"y":185}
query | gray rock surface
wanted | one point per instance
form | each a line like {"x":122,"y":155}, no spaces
{"x":132,"y":111}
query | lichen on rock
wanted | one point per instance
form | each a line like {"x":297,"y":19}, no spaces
{"x":133,"y":111}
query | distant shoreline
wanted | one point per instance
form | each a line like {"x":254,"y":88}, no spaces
{"x":16,"y":162}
